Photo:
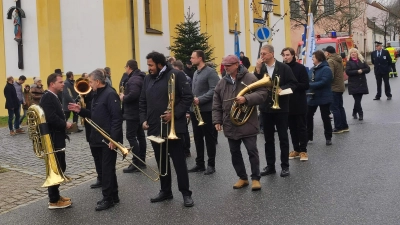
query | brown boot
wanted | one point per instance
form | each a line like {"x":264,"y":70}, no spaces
{"x":12,"y":133}
{"x":241,"y":183}
{"x":255,"y":186}
{"x":20,"y":131}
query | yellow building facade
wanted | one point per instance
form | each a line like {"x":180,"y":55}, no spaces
{"x":82,"y":35}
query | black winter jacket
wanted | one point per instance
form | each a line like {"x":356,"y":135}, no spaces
{"x":133,"y":88}
{"x":106,"y":113}
{"x":298,"y":100}
{"x":154,"y":100}
{"x":287,"y":80}
{"x":357,"y":83}
{"x":11,"y":96}
{"x":55,"y":118}
{"x":88,"y":102}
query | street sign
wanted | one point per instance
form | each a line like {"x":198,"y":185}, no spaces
{"x":260,"y":21}
{"x":263,"y":34}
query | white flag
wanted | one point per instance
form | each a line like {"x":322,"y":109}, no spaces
{"x":310,"y":43}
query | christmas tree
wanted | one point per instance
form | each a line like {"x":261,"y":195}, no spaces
{"x":189,"y":38}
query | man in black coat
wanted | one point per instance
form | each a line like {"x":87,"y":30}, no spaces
{"x":69,"y":96}
{"x":130,"y":100}
{"x":275,"y":117}
{"x":106,"y":113}
{"x":245,"y":60}
{"x":57,"y":125}
{"x":154,"y":101}
{"x":297,"y":106}
{"x":382,"y":64}
{"x":188,"y":70}
{"x":12,"y":105}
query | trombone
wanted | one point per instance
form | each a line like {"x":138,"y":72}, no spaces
{"x":123,"y":151}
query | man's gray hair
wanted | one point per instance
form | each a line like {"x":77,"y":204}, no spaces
{"x":270,"y":48}
{"x":98,"y":74}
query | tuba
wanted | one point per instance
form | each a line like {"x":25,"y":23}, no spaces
{"x":275,"y":94}
{"x":43,"y":147}
{"x":82,"y":87}
{"x":240,"y":113}
{"x":196,"y":111}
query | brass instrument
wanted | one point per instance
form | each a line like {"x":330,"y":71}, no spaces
{"x":171,"y":106}
{"x":275,"y":93}
{"x":43,"y":147}
{"x":240,"y":113}
{"x":196,"y":111}
{"x":121,"y":89}
{"x":82,"y":87}
{"x":122,"y":150}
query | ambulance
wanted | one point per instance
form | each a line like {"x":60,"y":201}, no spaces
{"x":340,"y":40}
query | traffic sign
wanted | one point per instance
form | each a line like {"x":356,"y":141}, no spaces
{"x":263,"y":34}
{"x":260,"y":21}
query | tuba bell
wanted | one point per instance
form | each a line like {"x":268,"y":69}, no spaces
{"x":43,"y":146}
{"x":239,"y":114}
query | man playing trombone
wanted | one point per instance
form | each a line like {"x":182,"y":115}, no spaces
{"x":106,"y":113}
{"x":157,"y":93}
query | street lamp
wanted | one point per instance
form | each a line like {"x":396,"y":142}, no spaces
{"x":267,"y":7}
{"x":373,"y":19}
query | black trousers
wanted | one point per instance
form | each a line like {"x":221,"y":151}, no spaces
{"x":98,"y":158}
{"x":393,"y":65}
{"x":186,"y":142}
{"x":177,"y":154}
{"x":325,"y":119}
{"x":137,"y":140}
{"x":74,"y":116}
{"x":109,"y":178}
{"x":385,"y":77}
{"x":298,"y":132}
{"x":357,"y":103}
{"x":54,"y":192}
{"x":280,"y":121}
{"x":237,"y":160}
{"x":207,"y":132}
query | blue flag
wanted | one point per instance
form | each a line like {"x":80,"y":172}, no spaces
{"x":236,"y":47}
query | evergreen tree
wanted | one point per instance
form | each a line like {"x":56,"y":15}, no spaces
{"x":189,"y":38}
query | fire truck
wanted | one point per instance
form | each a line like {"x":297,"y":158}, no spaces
{"x":340,"y":40}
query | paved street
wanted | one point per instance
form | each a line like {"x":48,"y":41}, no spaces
{"x":354,"y":181}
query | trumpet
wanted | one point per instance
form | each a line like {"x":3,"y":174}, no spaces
{"x":123,"y":151}
{"x":196,"y":111}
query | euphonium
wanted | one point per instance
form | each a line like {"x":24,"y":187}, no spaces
{"x":275,"y":93}
{"x":171,"y":106}
{"x":196,"y":111}
{"x":82,"y":87}
{"x":240,"y":113}
{"x":43,"y":147}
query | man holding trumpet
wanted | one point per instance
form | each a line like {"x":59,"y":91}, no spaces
{"x":204,"y":81}
{"x":106,"y":113}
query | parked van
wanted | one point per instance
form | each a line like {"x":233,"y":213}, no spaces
{"x":341,"y":41}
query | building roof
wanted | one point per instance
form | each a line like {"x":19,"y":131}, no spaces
{"x":378,"y":5}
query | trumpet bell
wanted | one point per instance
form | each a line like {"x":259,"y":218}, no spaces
{"x":201,"y":123}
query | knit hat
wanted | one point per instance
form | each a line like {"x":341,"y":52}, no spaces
{"x":36,"y":80}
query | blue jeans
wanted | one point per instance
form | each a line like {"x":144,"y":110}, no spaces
{"x":339,"y":115}
{"x":11,"y":113}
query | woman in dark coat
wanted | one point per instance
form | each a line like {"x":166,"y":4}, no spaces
{"x":356,"y":68}
{"x":320,"y":95}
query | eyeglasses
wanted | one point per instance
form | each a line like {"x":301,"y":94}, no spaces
{"x":264,"y":53}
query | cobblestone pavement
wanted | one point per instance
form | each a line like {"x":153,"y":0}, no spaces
{"x":22,"y":184}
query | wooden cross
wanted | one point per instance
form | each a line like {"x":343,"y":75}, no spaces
{"x":17,"y":20}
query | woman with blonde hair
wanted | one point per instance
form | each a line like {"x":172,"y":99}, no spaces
{"x":356,"y":68}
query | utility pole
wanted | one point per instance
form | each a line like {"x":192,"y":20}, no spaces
{"x":350,"y":18}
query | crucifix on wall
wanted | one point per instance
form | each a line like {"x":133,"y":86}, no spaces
{"x":16,"y":14}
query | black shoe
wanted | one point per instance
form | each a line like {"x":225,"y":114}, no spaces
{"x":104,"y":204}
{"x":188,"y":201}
{"x":79,"y":130}
{"x":355,"y":115}
{"x":130,"y":169}
{"x":285,"y":172}
{"x":115,"y":200}
{"x":162,"y":196}
{"x":389,"y":98}
{"x":377,"y":98}
{"x":96,"y":185}
{"x":268,"y":171}
{"x":197,"y":168}
{"x":328,"y":142}
{"x":361,"y":117}
{"x":209,"y":170}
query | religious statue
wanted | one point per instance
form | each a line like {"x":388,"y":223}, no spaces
{"x":17,"y":26}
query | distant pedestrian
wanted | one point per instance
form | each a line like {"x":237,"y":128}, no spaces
{"x":13,"y":106}
{"x":108,"y":75}
{"x":382,"y":61}
{"x":37,"y":91}
{"x":18,"y":88}
{"x":320,"y":95}
{"x":356,"y":68}
{"x":245,"y":60}
{"x":28,"y":102}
